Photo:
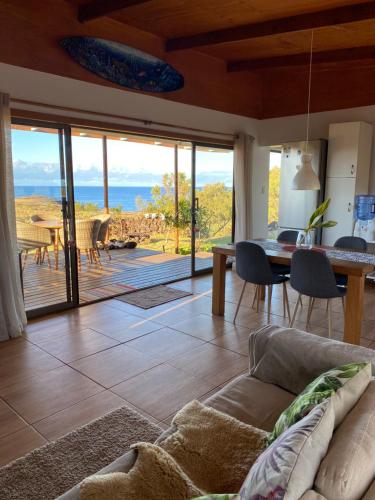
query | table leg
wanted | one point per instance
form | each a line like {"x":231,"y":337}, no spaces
{"x":56,"y":248}
{"x":218,"y":284}
{"x":354,"y":309}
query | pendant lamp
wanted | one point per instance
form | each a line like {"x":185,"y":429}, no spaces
{"x":306,"y":179}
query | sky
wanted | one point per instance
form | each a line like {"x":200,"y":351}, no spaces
{"x":36,"y":162}
{"x":275,"y":160}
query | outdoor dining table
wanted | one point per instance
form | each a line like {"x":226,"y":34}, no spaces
{"x":53,"y":225}
{"x":356,"y":265}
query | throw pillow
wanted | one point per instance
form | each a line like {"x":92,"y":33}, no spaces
{"x":220,"y":496}
{"x":344,"y":384}
{"x":155,"y":475}
{"x":348,"y":469}
{"x":287,"y":468}
{"x":214,"y":449}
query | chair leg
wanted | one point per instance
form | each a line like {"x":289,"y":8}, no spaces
{"x":295,"y":310}
{"x":96,"y":257}
{"x":79,"y":259}
{"x":269,"y":293}
{"x":286,"y":300}
{"x":239,"y":302}
{"x":46,"y":252}
{"x":107,"y":251}
{"x":309,"y":311}
{"x":25,"y":259}
{"x":327,"y":307}
{"x":329,"y":319}
{"x":300,"y":300}
{"x":258,"y":297}
{"x":255,"y":296}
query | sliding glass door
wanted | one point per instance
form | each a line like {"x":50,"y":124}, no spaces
{"x":212,"y":202}
{"x":44,"y":215}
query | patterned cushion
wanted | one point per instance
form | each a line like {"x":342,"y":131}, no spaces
{"x":344,"y":384}
{"x":287,"y":468}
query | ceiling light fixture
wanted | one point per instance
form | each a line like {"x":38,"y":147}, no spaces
{"x":157,"y":143}
{"x":123,"y":138}
{"x":82,"y":134}
{"x":34,"y":129}
{"x":306,"y":179}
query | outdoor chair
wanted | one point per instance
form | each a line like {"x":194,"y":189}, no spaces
{"x":32,"y":237}
{"x":252,"y":266}
{"x":105,"y":219}
{"x":86,"y":240}
{"x":312,"y":275}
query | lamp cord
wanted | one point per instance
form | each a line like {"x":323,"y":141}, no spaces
{"x":309,"y":94}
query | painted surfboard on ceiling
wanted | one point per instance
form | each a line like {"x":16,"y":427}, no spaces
{"x":123,"y":65}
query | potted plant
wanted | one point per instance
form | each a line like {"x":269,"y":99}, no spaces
{"x":305,"y":237}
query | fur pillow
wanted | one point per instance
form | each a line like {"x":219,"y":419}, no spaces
{"x":215,"y":450}
{"x":155,"y":475}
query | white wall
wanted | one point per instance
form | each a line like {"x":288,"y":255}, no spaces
{"x":22,"y":83}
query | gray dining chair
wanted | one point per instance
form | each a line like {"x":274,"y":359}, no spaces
{"x":349,"y":243}
{"x":252,"y":266}
{"x":312,"y":275}
{"x":288,"y":237}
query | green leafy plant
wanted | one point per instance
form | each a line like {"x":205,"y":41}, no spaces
{"x":316,"y":222}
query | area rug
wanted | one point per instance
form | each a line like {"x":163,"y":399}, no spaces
{"x":152,"y":297}
{"x":49,"y":471}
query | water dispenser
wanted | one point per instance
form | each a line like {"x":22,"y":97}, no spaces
{"x":364,"y":217}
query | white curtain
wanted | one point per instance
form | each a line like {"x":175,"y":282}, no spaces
{"x":12,"y":311}
{"x":243,"y":149}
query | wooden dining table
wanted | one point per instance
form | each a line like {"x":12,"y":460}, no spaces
{"x":278,"y":253}
{"x":55,"y":226}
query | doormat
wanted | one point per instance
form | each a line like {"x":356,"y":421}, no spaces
{"x":152,"y":297}
{"x":104,"y":291}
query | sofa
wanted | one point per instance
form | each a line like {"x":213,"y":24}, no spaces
{"x":282,"y":361}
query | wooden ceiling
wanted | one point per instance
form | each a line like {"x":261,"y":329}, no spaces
{"x":242,"y":56}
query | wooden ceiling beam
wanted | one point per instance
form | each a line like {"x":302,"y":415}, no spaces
{"x":328,"y":17}
{"x":101,"y":8}
{"x":327,"y":56}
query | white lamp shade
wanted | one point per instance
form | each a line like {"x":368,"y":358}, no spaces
{"x":305,"y":178}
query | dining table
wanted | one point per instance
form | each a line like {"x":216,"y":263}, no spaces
{"x":354,"y":264}
{"x":55,"y":226}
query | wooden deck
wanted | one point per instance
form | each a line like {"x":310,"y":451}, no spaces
{"x":127,"y":271}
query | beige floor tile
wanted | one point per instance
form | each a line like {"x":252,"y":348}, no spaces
{"x":81,"y":413}
{"x":125,"y":329}
{"x":19,"y":443}
{"x":171,"y":317}
{"x":165,"y":344}
{"x":161,"y":390}
{"x":19,"y":361}
{"x":237,"y":340}
{"x":204,"y":327}
{"x":42,"y":395}
{"x":211,"y":363}
{"x":114,"y":365}
{"x":9,"y":420}
{"x":75,"y":344}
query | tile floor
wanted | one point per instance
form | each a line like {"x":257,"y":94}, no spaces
{"x":76,"y":366}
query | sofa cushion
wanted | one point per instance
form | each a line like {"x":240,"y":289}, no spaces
{"x":215,"y":450}
{"x":312,"y":495}
{"x":344,"y":385}
{"x":287,"y":468}
{"x":155,"y":475}
{"x":349,"y":467}
{"x":291,"y":358}
{"x":251,"y":401}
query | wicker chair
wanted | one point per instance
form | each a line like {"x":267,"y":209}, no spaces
{"x":32,"y":237}
{"x":105,"y":219}
{"x":86,"y":239}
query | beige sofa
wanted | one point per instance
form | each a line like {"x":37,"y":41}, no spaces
{"x":282,"y":362}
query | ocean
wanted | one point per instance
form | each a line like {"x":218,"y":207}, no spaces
{"x":117,"y":195}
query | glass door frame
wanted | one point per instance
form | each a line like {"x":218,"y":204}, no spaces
{"x":68,"y":215}
{"x":195,"y":144}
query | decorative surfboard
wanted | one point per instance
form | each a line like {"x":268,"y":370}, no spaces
{"x":123,"y":65}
